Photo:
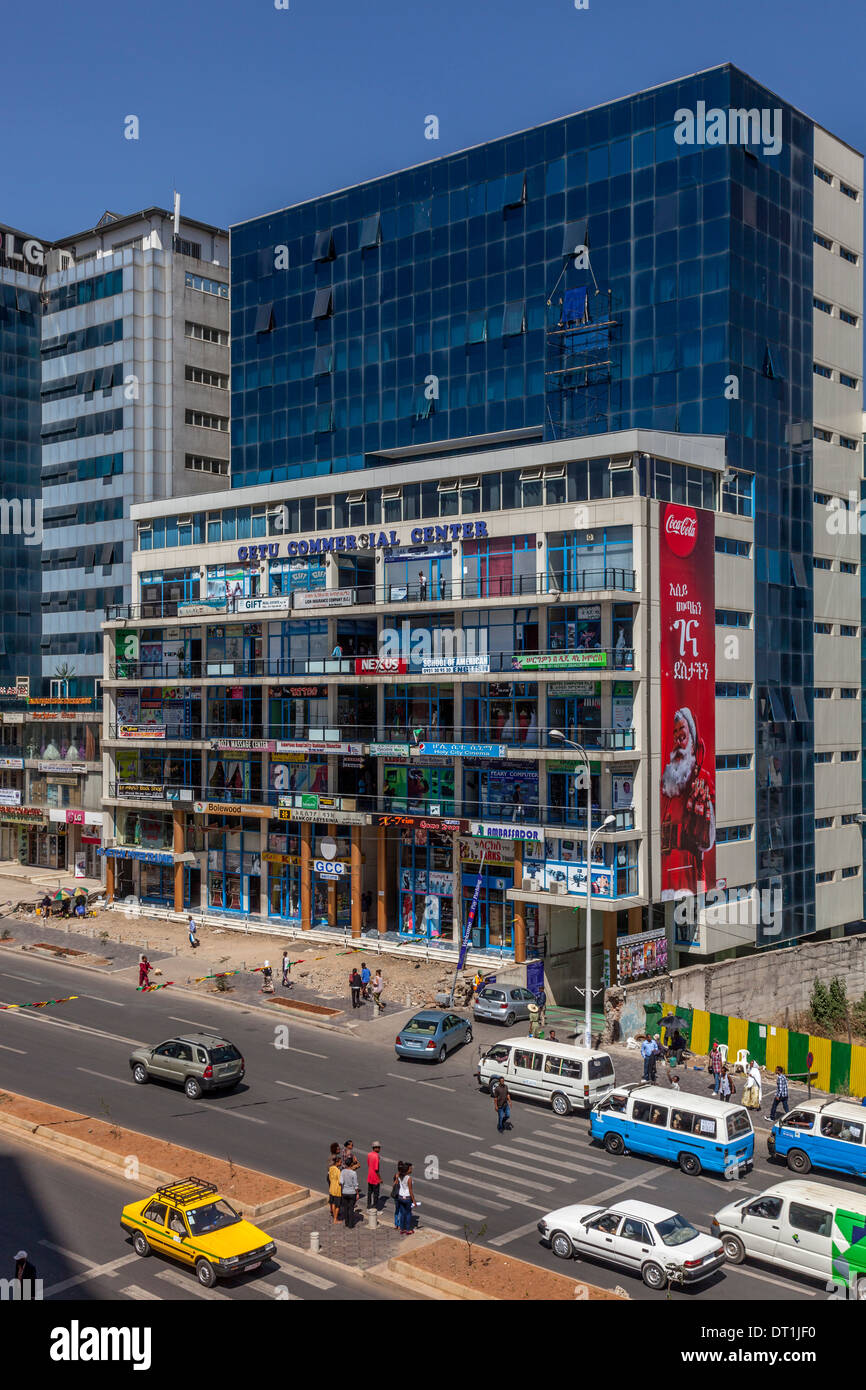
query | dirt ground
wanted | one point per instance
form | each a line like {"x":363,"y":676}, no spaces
{"x":248,"y":1186}
{"x":502,"y":1276}
{"x":319,"y":969}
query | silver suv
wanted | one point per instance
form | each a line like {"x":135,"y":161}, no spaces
{"x":196,"y":1061}
{"x":503,"y":1004}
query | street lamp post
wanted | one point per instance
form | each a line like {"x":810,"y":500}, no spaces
{"x":559,"y":737}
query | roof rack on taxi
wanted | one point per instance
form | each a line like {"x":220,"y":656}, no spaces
{"x":188,"y":1190}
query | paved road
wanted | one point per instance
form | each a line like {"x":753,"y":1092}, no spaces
{"x":324,"y":1086}
{"x":66,"y":1217}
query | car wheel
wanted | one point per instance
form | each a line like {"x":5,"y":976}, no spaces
{"x":443,"y":1053}
{"x":468,"y":1036}
{"x":735,"y":1250}
{"x":560,"y":1104}
{"x":561,"y":1245}
{"x":139,"y":1074}
{"x":798,"y":1162}
{"x":653,"y":1276}
{"x":690,"y":1164}
{"x":192,"y":1088}
{"x":614,"y":1143}
{"x":141,"y":1245}
{"x":509,"y":1021}
{"x":206,"y":1274}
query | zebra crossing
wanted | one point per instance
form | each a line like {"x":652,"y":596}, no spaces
{"x":521,"y":1169}
{"x":170,"y":1283}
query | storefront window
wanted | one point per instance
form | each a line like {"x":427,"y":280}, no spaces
{"x":356,"y":712}
{"x":426,"y":885}
{"x":575,"y":562}
{"x":286,"y":576}
{"x":501,"y":631}
{"x":163,"y":590}
{"x":417,"y":572}
{"x":501,"y":793}
{"x":293,"y":709}
{"x":577,"y":712}
{"x":428,"y":708}
{"x":145,"y":830}
{"x":234,"y":877}
{"x":234,"y":777}
{"x":417,"y":788}
{"x":499,"y":565}
{"x":234,"y":711}
{"x":234,"y":649}
{"x":501,"y":712}
{"x":228,"y":582}
{"x":575,"y":628}
{"x":292,"y":645}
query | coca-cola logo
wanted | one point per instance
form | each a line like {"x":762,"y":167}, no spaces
{"x":681,"y":529}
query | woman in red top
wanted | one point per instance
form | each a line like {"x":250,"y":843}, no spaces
{"x":144,"y":969}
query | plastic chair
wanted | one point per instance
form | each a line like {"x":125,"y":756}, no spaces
{"x":723,"y":1048}
{"x":742,"y":1059}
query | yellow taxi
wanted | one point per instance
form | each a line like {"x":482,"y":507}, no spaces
{"x":190,"y":1222}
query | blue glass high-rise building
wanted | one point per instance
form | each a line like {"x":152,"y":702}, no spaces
{"x":446,"y":303}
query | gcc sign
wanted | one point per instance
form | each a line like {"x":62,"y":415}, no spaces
{"x":328,"y":868}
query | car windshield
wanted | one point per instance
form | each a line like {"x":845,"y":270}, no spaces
{"x":227,"y":1053}
{"x":676,"y":1230}
{"x":213,"y":1217}
{"x":427,"y":1026}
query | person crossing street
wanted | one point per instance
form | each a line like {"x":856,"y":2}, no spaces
{"x":502,"y":1103}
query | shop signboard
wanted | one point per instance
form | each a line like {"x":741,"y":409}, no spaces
{"x":381,"y":665}
{"x":75,"y":817}
{"x":463,"y":750}
{"x":9,"y":797}
{"x":230,"y":808}
{"x":58,"y":765}
{"x":323,"y":598}
{"x":559,"y":661}
{"x":275,"y":604}
{"x":645,"y":953}
{"x":491,"y":831}
{"x":388,"y":750}
{"x":201,"y":608}
{"x":442,"y":823}
{"x":564,"y":876}
{"x":140,"y":791}
{"x":250,"y":745}
{"x":494,"y":851}
{"x":329,"y":868}
{"x":141,"y":731}
{"x":145,"y":856}
{"x":298,"y":813}
{"x":11,"y":762}
{"x":452,"y":665}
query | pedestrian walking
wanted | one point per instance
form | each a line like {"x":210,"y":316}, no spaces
{"x":403,"y":1192}
{"x":366,"y":977}
{"x":374,"y":1175}
{"x":422,"y":585}
{"x":267,"y":979}
{"x":191,"y":930}
{"x":355,"y":987}
{"x":25,"y":1273}
{"x":286,"y":966}
{"x":647,"y":1052}
{"x":716,"y":1063}
{"x":654,"y":1057}
{"x":335,"y":1191}
{"x":144,"y":969}
{"x":541,"y":1001}
{"x":753,"y":1090}
{"x":726,"y":1089}
{"x":349,"y":1195}
{"x":502,"y":1103}
{"x":378,"y":986}
{"x":781,"y":1096}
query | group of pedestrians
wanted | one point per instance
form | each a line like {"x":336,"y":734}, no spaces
{"x":344,"y":1187}
{"x":723,"y":1085}
{"x":365,"y":987}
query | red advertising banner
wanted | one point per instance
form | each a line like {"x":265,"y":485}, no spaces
{"x":381,"y":665}
{"x":687,"y":622}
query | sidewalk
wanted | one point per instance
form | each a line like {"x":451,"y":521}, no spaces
{"x":359,"y":1248}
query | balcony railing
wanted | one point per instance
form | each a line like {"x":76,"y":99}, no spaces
{"x":459,"y":589}
{"x":593,"y":740}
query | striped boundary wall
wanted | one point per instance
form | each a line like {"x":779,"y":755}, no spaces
{"x":840,"y":1066}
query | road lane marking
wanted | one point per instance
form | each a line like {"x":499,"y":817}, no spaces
{"x":416,"y":1081}
{"x":136,"y":1291}
{"x":304,"y":1275}
{"x":106,"y":1271}
{"x":438,"y":1224}
{"x":438,"y":1186}
{"x":19,"y":1050}
{"x":488,"y":1186}
{"x":504,"y":1177}
{"x":236,"y":1111}
{"x":429,"y":1125}
{"x":455,"y":1211}
{"x":782,"y":1283}
{"x":547,"y":1159}
{"x":7,"y":975}
{"x":105,"y":1076}
{"x":539,"y":1164}
{"x":190,"y":1285}
{"x":76,"y":1028}
{"x":515,"y":1234}
{"x":68,"y":1254}
{"x":324,"y":1094}
{"x":323,"y":1055}
{"x":115,"y":1004}
{"x":205,"y":1027}
{"x":609,"y":1192}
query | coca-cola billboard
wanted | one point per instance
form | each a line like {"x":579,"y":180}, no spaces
{"x":687,"y":620}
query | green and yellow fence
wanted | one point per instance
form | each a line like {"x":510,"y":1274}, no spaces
{"x":837,"y":1067}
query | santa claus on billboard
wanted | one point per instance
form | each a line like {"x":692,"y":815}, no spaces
{"x":688,"y":829}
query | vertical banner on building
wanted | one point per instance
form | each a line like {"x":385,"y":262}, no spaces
{"x":687,"y":621}
{"x":470,"y":918}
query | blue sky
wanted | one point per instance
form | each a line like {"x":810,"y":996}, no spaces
{"x":246,"y":108}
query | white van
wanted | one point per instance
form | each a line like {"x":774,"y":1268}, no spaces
{"x":567,"y":1078}
{"x":806,"y":1227}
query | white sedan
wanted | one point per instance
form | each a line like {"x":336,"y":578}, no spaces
{"x":655,"y":1242}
